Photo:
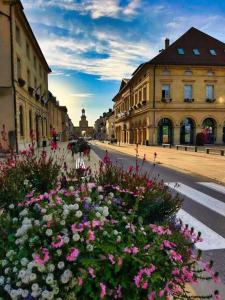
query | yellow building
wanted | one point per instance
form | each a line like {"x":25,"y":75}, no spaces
{"x":55,"y":115}
{"x":23,"y":79}
{"x":176,"y":95}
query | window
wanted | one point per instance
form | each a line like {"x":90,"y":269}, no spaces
{"x":209,"y":91}
{"x":180,"y":51}
{"x":188,"y":92}
{"x":212,"y":52}
{"x":140,"y":95}
{"x":21,"y":120}
{"x":18,"y":68}
{"x":28,"y":50}
{"x":28,"y":77}
{"x":35,"y":62}
{"x":18,"y":36}
{"x":145,"y":94}
{"x":166,"y":91}
{"x":196,"y":51}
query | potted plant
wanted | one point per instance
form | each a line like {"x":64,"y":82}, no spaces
{"x":21,"y":82}
{"x":210,"y":100}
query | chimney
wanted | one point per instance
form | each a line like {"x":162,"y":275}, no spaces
{"x":167,"y":43}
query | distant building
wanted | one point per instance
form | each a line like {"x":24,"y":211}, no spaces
{"x":83,"y":129}
{"x":176,"y":95}
{"x":105,"y":126}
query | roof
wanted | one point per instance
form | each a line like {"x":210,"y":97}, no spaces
{"x":123,"y":83}
{"x":192,"y":39}
{"x":33,"y":36}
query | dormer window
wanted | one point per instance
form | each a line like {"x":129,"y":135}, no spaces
{"x":180,"y":51}
{"x":212,"y":52}
{"x":196,"y":51}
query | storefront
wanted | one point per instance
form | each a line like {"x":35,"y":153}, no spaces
{"x":165,"y":131}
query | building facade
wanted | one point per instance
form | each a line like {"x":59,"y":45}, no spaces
{"x":176,"y":95}
{"x":24,"y":82}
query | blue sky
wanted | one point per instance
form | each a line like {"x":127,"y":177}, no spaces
{"x":92,"y":44}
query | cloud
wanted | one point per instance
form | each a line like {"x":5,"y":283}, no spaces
{"x":81,"y":95}
{"x":95,"y":8}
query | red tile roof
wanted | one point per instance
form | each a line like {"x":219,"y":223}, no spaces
{"x":190,"y":40}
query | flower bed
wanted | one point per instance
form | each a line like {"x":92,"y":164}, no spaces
{"x":91,"y":238}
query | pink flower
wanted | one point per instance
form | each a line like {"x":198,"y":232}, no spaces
{"x":103,"y":290}
{"x":80,"y":281}
{"x":91,"y":235}
{"x":120,"y":261}
{"x":175,"y":256}
{"x":167,"y":244}
{"x":151,"y":296}
{"x":111,"y":258}
{"x":58,"y":243}
{"x":73,"y":254}
{"x":144,"y":285}
{"x":91,"y":272}
{"x":96,"y":223}
{"x":42,"y":261}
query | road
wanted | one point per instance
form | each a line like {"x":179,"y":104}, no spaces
{"x":203,"y":206}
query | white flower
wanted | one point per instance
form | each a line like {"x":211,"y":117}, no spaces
{"x":61,"y":265}
{"x":75,"y":206}
{"x":37,"y":223}
{"x":51,"y":268}
{"x":101,"y":197}
{"x":98,"y":215}
{"x":111,"y":195}
{"x":100,"y":188}
{"x":79,"y":214}
{"x":105,"y":211}
{"x":35,"y":294}
{"x":15,"y":220}
{"x":59,"y":252}
{"x":24,"y":261}
{"x":7,"y":287}
{"x":77,"y":199}
{"x":109,"y":202}
{"x":4,"y":262}
{"x":76,"y":237}
{"x":35,"y":287}
{"x":118,"y":239}
{"x":88,"y":200}
{"x":11,"y":206}
{"x":71,"y":188}
{"x":23,"y":213}
{"x":89,"y":248}
{"x":31,"y":265}
{"x":49,"y":279}
{"x":22,"y":273}
{"x":2,"y":280}
{"x":25,"y":293}
{"x":66,"y":239}
{"x":43,"y":211}
{"x":50,"y":295}
{"x":26,"y":182}
{"x":56,"y":290}
{"x":6,"y":271}
{"x":49,"y":232}
{"x":124,"y":218}
{"x":47,"y":218}
{"x":33,"y":276}
{"x":62,"y":222}
{"x":45,"y":294}
{"x":115,"y":232}
{"x":105,"y":233}
{"x":13,"y":294}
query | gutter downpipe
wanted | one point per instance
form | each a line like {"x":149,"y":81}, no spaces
{"x":12,"y":77}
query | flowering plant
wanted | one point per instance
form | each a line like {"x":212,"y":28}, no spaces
{"x":65,"y":244}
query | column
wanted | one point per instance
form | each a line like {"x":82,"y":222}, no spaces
{"x":219,"y":134}
{"x":176,"y":135}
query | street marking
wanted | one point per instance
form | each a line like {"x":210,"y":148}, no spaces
{"x":211,"y":239}
{"x":199,"y":197}
{"x":214,"y":186}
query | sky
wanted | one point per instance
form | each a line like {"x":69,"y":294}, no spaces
{"x":91,"y":45}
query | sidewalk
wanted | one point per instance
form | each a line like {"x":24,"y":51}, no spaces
{"x":212,"y":167}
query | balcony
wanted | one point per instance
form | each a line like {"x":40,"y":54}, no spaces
{"x":166,"y":100}
{"x":189,"y":100}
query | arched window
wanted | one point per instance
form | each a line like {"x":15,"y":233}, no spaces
{"x":21,"y":120}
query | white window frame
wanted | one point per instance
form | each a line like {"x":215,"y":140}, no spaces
{"x":188,"y":91}
{"x":210,"y":94}
{"x":167,"y":89}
